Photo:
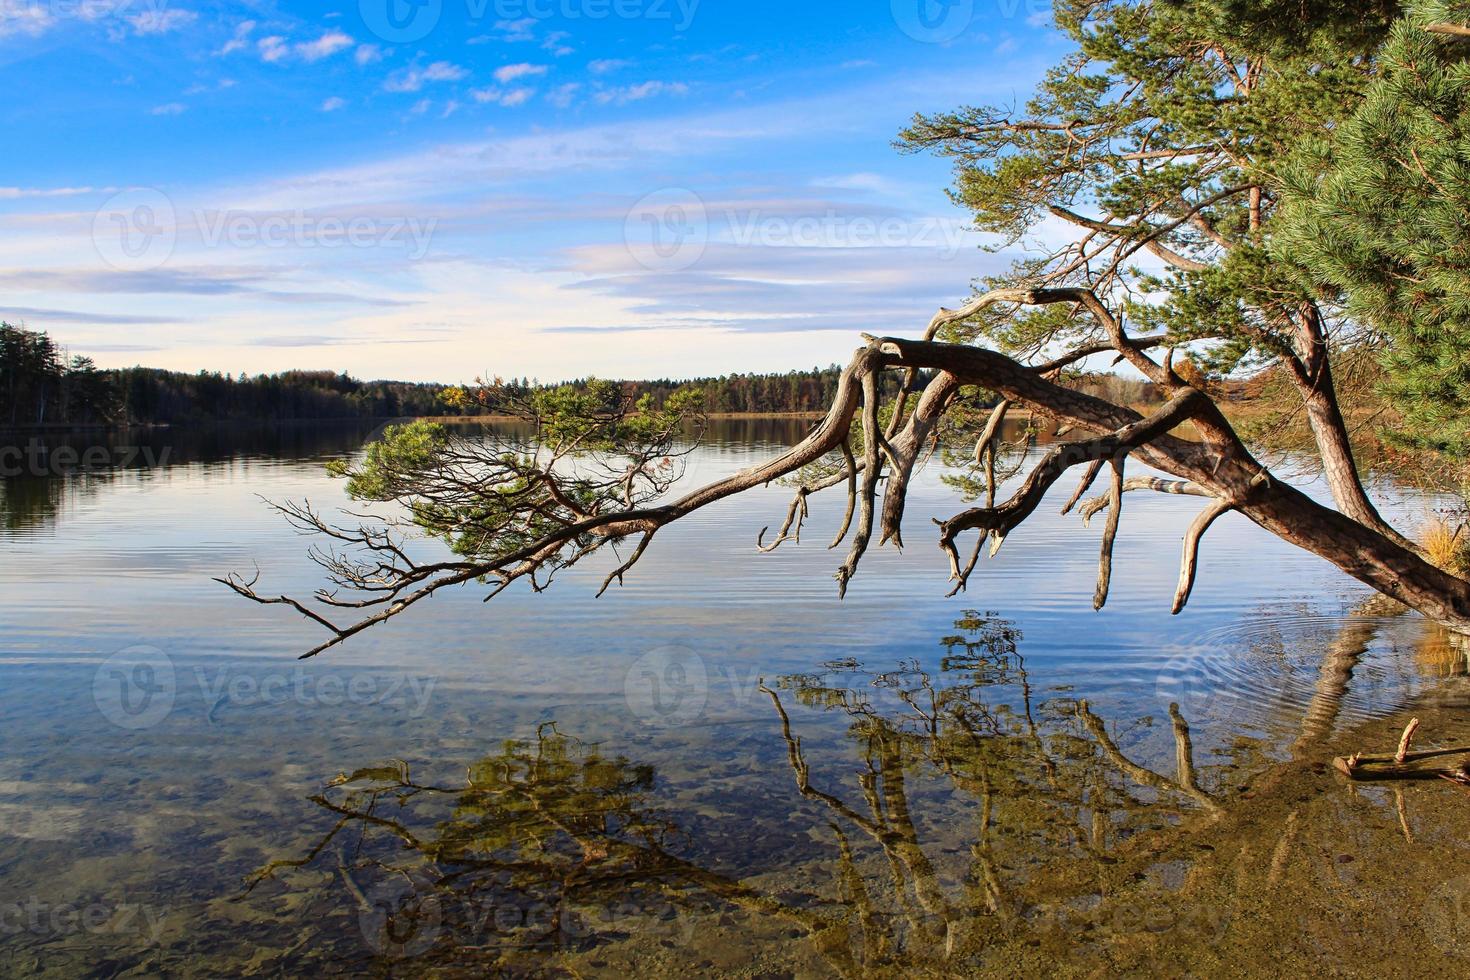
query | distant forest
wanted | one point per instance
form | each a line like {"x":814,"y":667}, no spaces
{"x":41,"y":385}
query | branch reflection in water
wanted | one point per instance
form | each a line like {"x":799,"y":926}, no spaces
{"x":982,"y":829}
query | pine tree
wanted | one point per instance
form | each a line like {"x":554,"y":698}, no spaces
{"x":1379,"y":216}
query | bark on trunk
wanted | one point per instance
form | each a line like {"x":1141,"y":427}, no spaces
{"x":1313,"y":376}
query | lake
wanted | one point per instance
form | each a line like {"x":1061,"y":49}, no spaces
{"x":719,"y":768}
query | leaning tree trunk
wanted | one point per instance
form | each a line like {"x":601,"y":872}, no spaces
{"x":1221,"y":466}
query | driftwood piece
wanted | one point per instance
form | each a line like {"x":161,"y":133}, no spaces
{"x":1404,"y":764}
{"x":1434,"y":764}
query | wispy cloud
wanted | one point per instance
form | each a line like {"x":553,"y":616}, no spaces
{"x":333,"y":104}
{"x":196,"y":281}
{"x":869,"y":182}
{"x":161,"y":21}
{"x":517,"y":30}
{"x":329,"y":340}
{"x":22,"y":193}
{"x":637,"y":93}
{"x":168,"y":109}
{"x":562,"y":95}
{"x":603,"y":66}
{"x":32,"y":20}
{"x":74,"y":316}
{"x":241,"y":39}
{"x":510,"y":73}
{"x":503,"y":97}
{"x":325,"y":46}
{"x":413,"y":79}
{"x":367,"y":54}
{"x":275,"y":49}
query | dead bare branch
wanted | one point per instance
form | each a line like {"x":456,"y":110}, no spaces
{"x":1110,"y":536}
{"x":1190,"y":563}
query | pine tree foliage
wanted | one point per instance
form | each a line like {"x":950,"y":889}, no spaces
{"x":1380,"y":214}
{"x":1147,"y":164}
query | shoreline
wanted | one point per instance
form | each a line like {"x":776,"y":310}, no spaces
{"x":49,"y":428}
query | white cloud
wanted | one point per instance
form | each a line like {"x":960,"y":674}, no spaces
{"x":604,"y":65}
{"x":413,"y":79}
{"x":240,"y":41}
{"x":858,"y":182}
{"x":22,"y":193}
{"x":517,"y":30}
{"x":324,"y":47}
{"x":510,"y":73}
{"x":422,"y":106}
{"x":203,"y":87}
{"x":450,"y":108}
{"x":637,"y":93}
{"x":553,"y":43}
{"x":273,"y":48}
{"x":168,"y":109}
{"x":1042,"y":18}
{"x":32,"y":20}
{"x":160,"y":21}
{"x":497,"y":96}
{"x":367,"y":54}
{"x":333,"y":104}
{"x":562,"y":95}
{"x":276,"y":49}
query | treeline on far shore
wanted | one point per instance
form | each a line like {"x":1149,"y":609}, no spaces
{"x":41,"y":385}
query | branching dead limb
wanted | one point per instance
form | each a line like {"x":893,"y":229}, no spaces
{"x":872,"y":467}
{"x":1189,"y":566}
{"x":1084,"y":485}
{"x":998,"y":522}
{"x":1097,"y":504}
{"x":1110,"y":536}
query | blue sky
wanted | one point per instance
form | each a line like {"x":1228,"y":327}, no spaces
{"x":436,"y":189}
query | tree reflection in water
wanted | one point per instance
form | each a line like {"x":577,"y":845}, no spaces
{"x":982,"y":829}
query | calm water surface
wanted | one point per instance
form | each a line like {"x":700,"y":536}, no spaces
{"x":718,"y":768}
